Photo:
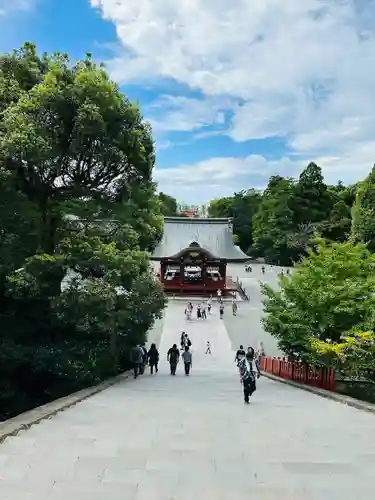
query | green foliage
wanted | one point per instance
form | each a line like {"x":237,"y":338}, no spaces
{"x":330,"y":292}
{"x":241,"y":207}
{"x":273,"y":223}
{"x":311,"y":201}
{"x":353,"y":356}
{"x":168,"y":205}
{"x":78,"y":215}
{"x":363,"y":212}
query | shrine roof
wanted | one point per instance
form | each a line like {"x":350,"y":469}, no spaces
{"x":215,"y":235}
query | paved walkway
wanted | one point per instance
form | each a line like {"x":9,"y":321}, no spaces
{"x":183,"y":438}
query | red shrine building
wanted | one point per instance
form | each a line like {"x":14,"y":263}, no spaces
{"x":194,"y":253}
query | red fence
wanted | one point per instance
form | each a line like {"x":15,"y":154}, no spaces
{"x":300,"y":372}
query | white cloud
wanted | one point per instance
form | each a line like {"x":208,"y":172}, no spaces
{"x":301,"y":69}
{"x":215,"y":177}
{"x":179,"y":113}
{"x":10,"y":6}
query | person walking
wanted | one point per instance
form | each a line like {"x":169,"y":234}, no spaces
{"x":144,"y":359}
{"x":249,"y":372}
{"x":173,"y":356}
{"x":199,"y":313}
{"x":208,"y":348}
{"x":234,"y":307}
{"x":188,"y":358}
{"x":183,"y":337}
{"x":209,"y":305}
{"x":221,"y":309}
{"x":153,"y":358}
{"x":240,"y":354}
{"x":204,"y":315}
{"x":137,"y":359}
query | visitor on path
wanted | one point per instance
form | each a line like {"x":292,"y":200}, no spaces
{"x":182,"y":342}
{"x":219,"y":295}
{"x":173,"y":356}
{"x":153,"y":358}
{"x":187,"y":341}
{"x":199,"y":311}
{"x":187,"y":313}
{"x":204,"y":314}
{"x":240,"y":354}
{"x":208,"y":347}
{"x":137,"y":359}
{"x":209,"y":305}
{"x":187,"y":358}
{"x":144,"y":360}
{"x":249,"y":372}
{"x":234,"y":307}
{"x":261,"y":349}
{"x":221,"y":310}
{"x":263,"y":269}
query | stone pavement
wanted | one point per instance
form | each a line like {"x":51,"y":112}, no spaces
{"x":164,"y":438}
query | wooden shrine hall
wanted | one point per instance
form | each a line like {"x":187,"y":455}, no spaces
{"x":197,"y":266}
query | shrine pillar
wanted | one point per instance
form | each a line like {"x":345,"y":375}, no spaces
{"x":223,"y":272}
{"x":182,"y":275}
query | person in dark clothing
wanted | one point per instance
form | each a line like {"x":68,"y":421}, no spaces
{"x":137,"y":359}
{"x":173,"y":357}
{"x":153,"y":358}
{"x":249,"y":372}
{"x":221,"y":309}
{"x":240,"y":354}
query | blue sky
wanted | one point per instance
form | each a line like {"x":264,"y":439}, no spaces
{"x":235,"y":91}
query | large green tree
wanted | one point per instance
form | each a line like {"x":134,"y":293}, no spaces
{"x":168,"y":204}
{"x":77,"y":196}
{"x":330,"y":292}
{"x":273,"y":223}
{"x":241,"y":207}
{"x":311,"y":202}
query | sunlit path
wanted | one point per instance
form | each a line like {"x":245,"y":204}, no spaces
{"x":162,"y":437}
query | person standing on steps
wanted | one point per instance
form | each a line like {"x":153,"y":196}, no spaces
{"x":173,"y":356}
{"x":208,"y":348}
{"x":249,"y":372}
{"x":188,"y":358}
{"x":137,"y":359}
{"x":153,"y":358}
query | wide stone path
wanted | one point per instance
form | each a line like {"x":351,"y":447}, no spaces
{"x":183,"y":438}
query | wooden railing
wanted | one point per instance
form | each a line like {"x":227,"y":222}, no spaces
{"x":323,"y":378}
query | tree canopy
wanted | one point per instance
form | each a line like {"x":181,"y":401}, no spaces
{"x":79,"y":213}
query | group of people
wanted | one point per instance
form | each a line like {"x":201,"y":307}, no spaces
{"x":249,"y":369}
{"x":249,"y":269}
{"x":203,"y":309}
{"x":174,"y":354}
{"x":141,"y":357}
{"x":247,"y":362}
